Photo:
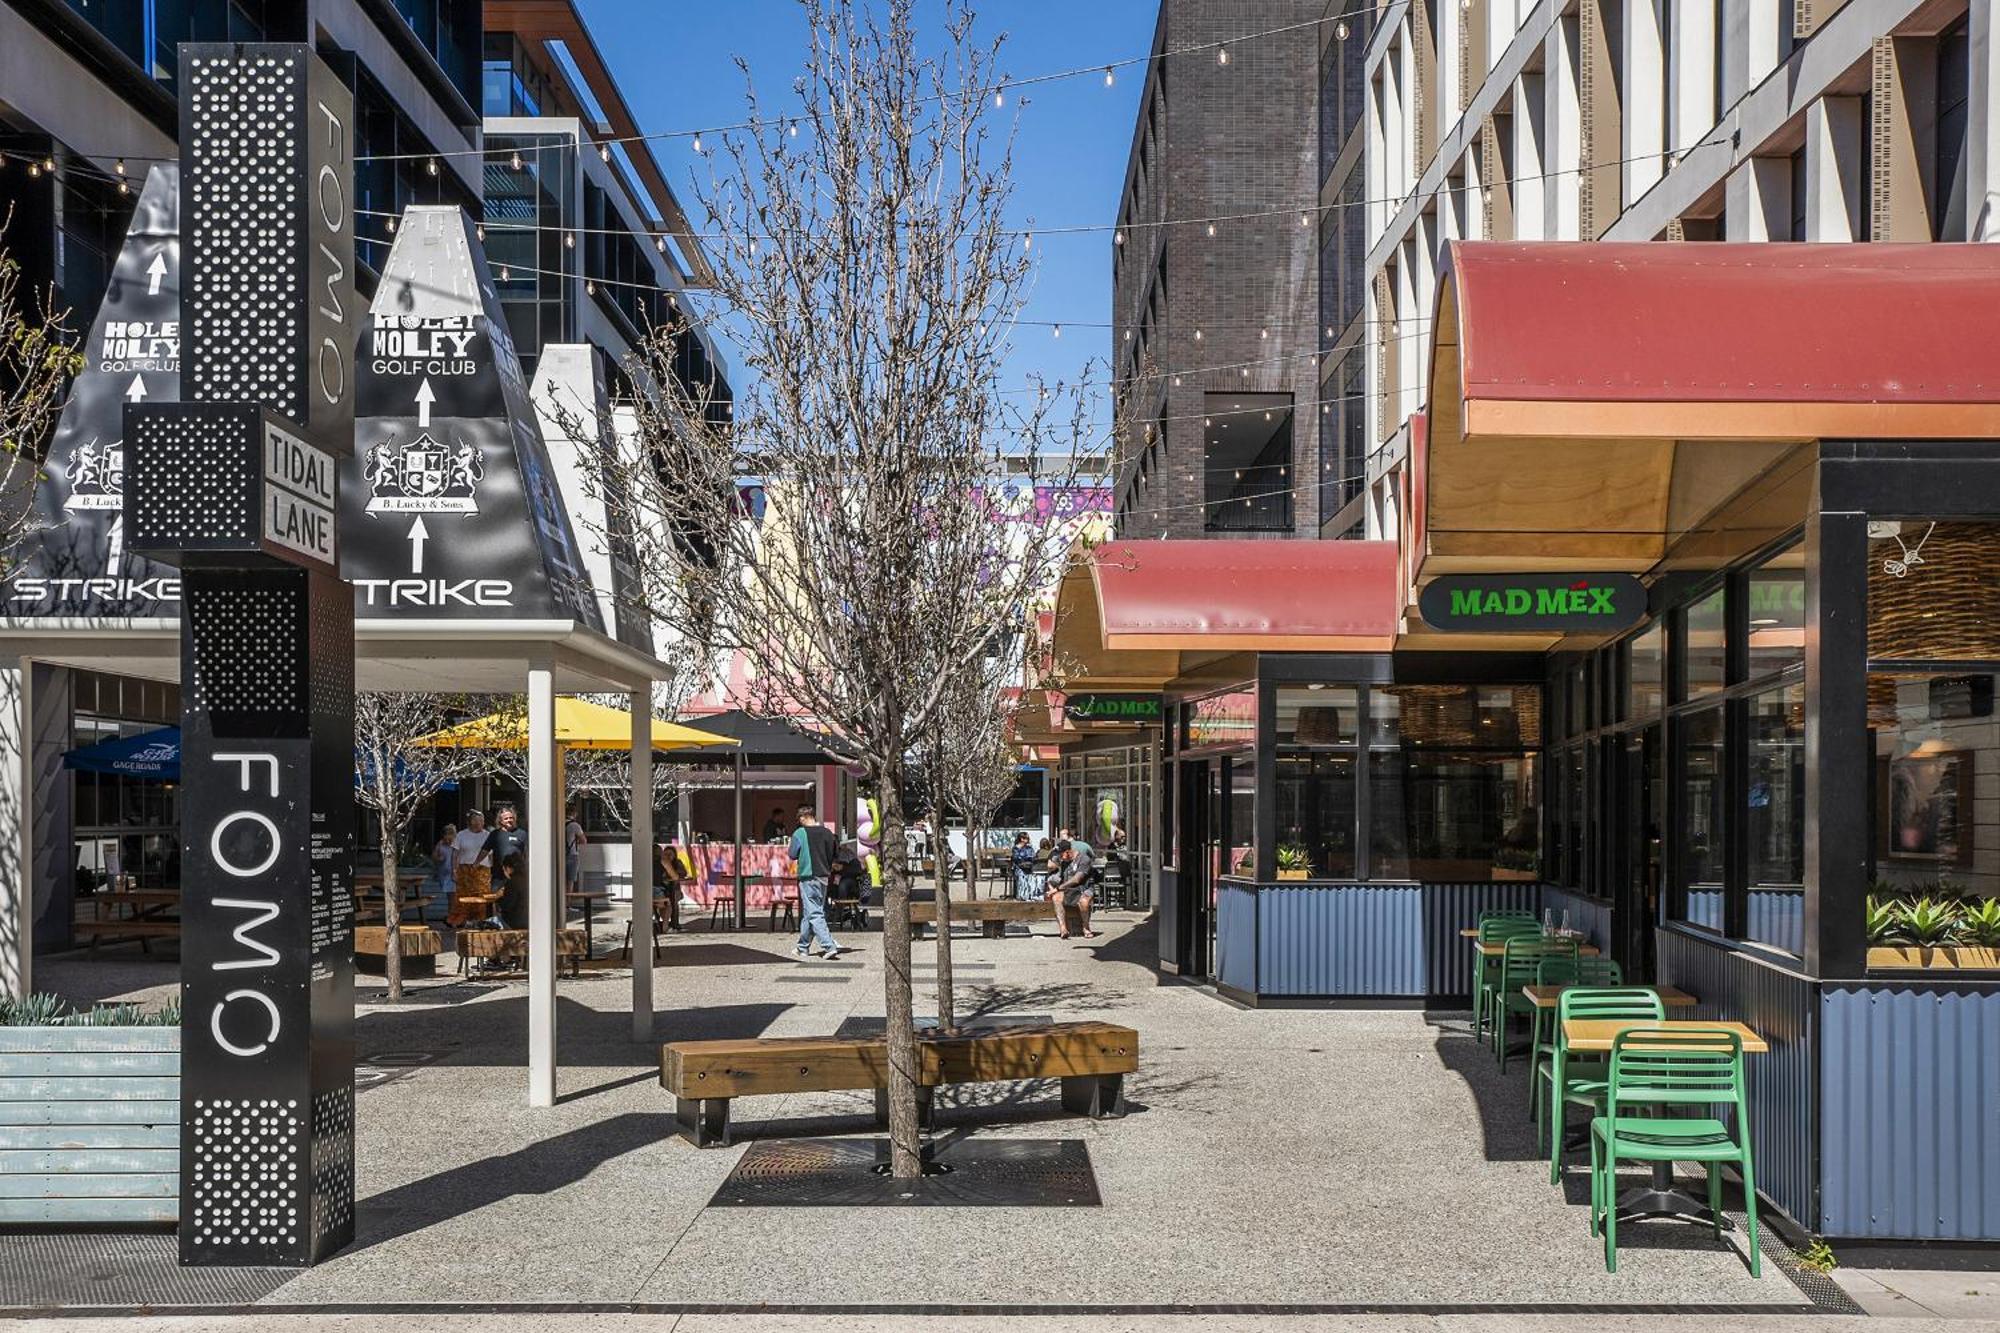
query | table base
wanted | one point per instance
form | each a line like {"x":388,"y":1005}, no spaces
{"x":1662,"y":1199}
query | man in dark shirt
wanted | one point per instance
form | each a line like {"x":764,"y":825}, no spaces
{"x":1073,"y":886}
{"x":507,"y":838}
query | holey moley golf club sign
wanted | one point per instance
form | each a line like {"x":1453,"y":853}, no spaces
{"x":237,"y":485}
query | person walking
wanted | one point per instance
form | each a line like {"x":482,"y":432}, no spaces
{"x":574,"y":841}
{"x":812,"y":849}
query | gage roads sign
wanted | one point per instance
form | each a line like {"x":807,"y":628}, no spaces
{"x":1532,"y":603}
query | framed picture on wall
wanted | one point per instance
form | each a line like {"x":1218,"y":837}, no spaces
{"x":1928,"y":807}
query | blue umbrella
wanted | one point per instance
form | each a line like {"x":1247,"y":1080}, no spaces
{"x":150,"y":754}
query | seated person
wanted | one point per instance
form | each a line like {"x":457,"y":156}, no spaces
{"x":669,"y":883}
{"x":1071,"y":885}
{"x":514,"y":891}
{"x":848,"y":882}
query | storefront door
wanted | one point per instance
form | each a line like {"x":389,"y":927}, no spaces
{"x":1200,"y":781}
{"x":1640,"y":810}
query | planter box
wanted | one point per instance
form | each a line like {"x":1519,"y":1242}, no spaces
{"x":1294,"y":874}
{"x":1945,"y":958}
{"x":90,"y":1125}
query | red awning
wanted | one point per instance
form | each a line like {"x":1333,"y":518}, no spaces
{"x":1709,"y":341}
{"x":1298,"y":596}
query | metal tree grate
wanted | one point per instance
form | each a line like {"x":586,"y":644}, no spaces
{"x":41,"y":1271}
{"x":972,"y":1173}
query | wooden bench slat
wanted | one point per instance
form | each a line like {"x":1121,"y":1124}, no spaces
{"x":102,"y":1212}
{"x":88,"y":1160}
{"x":137,"y":1111}
{"x":148,"y":1185}
{"x":1062,"y":1051}
{"x":983,"y":909}
{"x":770,"y":1067}
{"x":42,"y":1138}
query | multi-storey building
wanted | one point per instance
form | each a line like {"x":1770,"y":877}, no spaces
{"x":1233,"y":287}
{"x":1667,"y":120}
{"x":88,"y":103}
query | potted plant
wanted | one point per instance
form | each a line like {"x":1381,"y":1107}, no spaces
{"x":1934,"y":929}
{"x":110,"y":1102}
{"x":1293,"y":862}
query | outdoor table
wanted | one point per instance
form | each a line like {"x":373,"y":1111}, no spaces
{"x":1545,"y":997}
{"x":1498,"y":948}
{"x":1595,"y":1036}
{"x":590,"y":898}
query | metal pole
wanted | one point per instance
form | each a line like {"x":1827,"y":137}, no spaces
{"x":742,"y":915}
{"x":642,"y":866}
{"x":544,"y":833}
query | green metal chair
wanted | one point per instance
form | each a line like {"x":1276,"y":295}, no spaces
{"x":1578,"y":1080}
{"x":1665,"y":1067}
{"x":1520,"y":962}
{"x":1578,"y":971}
{"x":1495,"y":928}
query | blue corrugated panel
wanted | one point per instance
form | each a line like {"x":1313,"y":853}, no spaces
{"x":1592,"y":916}
{"x":1910,"y":1080}
{"x":1450,"y":908}
{"x":1236,"y":937}
{"x":1344,"y":939}
{"x":1781,"y":1007}
{"x":1778,"y":918}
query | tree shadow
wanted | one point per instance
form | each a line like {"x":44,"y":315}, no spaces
{"x":985,"y":999}
{"x":495,"y":1032}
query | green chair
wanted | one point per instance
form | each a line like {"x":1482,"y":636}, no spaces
{"x":1520,"y":962}
{"x":1578,"y":971}
{"x":1495,"y":928}
{"x":1578,"y":1080}
{"x":1665,"y":1067}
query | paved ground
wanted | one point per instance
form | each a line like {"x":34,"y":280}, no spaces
{"x":1356,"y":1159}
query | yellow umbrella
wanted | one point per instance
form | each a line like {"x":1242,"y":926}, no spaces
{"x":580,"y":725}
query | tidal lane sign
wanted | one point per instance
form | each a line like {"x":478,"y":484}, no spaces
{"x":1112,"y":707}
{"x":1532,"y":603}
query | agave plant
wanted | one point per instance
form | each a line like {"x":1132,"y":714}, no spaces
{"x":1929,"y":922}
{"x":1884,"y":919}
{"x":33,"y":1011}
{"x":1979,"y":922}
{"x":46,"y":1010}
{"x":1293,"y":856}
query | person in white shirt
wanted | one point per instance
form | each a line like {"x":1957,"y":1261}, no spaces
{"x":473,"y":870}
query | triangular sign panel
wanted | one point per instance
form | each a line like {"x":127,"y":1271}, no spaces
{"x":77,"y":564}
{"x":449,"y":507}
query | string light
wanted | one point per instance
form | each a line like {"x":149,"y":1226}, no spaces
{"x":34,"y":170}
{"x":123,"y":188}
{"x":1211,"y":229}
{"x":569,"y":240}
{"x":589,"y":288}
{"x":392,"y":224}
{"x":515,"y":161}
{"x":1197,"y":335}
{"x":794,"y":128}
{"x":660,"y":244}
{"x":1305,"y":219}
{"x":480,"y":232}
{"x":1109,"y":77}
{"x":505,"y":275}
{"x":431,"y":165}
{"x":1340,"y":29}
{"x":1221,"y":55}
{"x":1058,"y":330}
{"x":119,"y":166}
{"x":48,"y":164}
{"x":999,"y":97}
{"x":697,"y":143}
{"x":604,"y":152}
{"x":1028,"y":241}
{"x":1264,"y":333}
{"x":1118,"y":237}
{"x":1177,"y":381}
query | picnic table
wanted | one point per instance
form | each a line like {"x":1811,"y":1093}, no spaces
{"x":1660,"y":1198}
{"x":145,"y":918}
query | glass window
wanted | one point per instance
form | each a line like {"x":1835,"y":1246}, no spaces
{"x":1318,"y":714}
{"x":1704,"y":647}
{"x":1645,"y":683}
{"x":1223,"y":719}
{"x":1242,"y":816}
{"x":1937,"y":754}
{"x":1774,"y":817}
{"x":1576,"y":796}
{"x":1453,"y":818}
{"x":1460,"y":716}
{"x":1576,"y":700}
{"x":1932,"y":588}
{"x":1778,"y":613}
{"x":1703,"y":816}
{"x":1247,"y":462}
{"x":1316,"y":809}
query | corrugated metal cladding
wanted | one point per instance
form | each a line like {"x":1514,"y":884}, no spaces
{"x":1592,"y":916}
{"x":1450,"y":908}
{"x":1782,"y":1008}
{"x":1349,"y":939}
{"x":1910,"y":1098}
{"x":1236,"y":937}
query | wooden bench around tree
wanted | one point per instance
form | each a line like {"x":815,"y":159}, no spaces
{"x":512,"y":947}
{"x":992,"y":914}
{"x":1091,"y":1059}
{"x":420,"y":947}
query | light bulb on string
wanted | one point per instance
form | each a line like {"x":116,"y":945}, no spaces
{"x":1109,"y":77}
{"x":480,"y":232}
{"x":392,"y":224}
{"x":1211,"y":229}
{"x":604,"y":152}
{"x":793,"y":129}
{"x":1340,"y":30}
{"x":999,"y":97}
{"x":505,"y":275}
{"x":119,"y":166}
{"x":1221,"y":55}
{"x":1264,"y":334}
{"x":1028,"y":241}
{"x":515,"y":162}
{"x":48,"y":164}
{"x":660,"y":244}
{"x":1118,"y":237}
{"x":1177,"y":381}
{"x":589,"y":288}
{"x":431,"y":166}
{"x":1197,"y":335}
{"x":34,"y":170}
{"x":1305,"y":219}
{"x":123,"y":188}
{"x":697,"y":142}
{"x":1058,"y":330}
{"x":569,"y":240}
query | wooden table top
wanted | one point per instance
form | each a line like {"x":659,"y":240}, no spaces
{"x":1544,"y":997}
{"x":1498,"y":948}
{"x":140,"y":897}
{"x":1597,"y":1034}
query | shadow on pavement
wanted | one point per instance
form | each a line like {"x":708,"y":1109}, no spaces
{"x":495,"y":1031}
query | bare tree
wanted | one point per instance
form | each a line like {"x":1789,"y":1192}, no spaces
{"x":38,"y":357}
{"x":396,"y":778}
{"x":868,"y":272}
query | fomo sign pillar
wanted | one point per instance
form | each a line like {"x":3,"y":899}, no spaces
{"x":237,"y":485}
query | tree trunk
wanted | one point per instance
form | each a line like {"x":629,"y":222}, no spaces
{"x":392,"y":910}
{"x":947,"y":1016}
{"x":905,"y":1136}
{"x":972,"y":832}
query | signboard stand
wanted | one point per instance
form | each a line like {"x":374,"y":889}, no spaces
{"x":236,"y":484}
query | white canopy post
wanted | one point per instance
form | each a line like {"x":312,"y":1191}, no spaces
{"x":545,"y":848}
{"x":642,"y":866}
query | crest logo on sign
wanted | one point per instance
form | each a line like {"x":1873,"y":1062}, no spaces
{"x":424,"y":477}
{"x":96,"y":474}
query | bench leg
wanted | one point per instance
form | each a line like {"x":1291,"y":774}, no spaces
{"x":995,"y":929}
{"x":924,"y":1098}
{"x":704,"y":1122}
{"x":1097,"y":1096}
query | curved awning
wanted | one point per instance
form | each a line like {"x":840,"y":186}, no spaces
{"x":1588,"y":401}
{"x":1134,"y":610}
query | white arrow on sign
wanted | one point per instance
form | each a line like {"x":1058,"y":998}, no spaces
{"x":136,"y":389}
{"x":154,"y":272}
{"x":424,"y":400}
{"x":418,"y":534}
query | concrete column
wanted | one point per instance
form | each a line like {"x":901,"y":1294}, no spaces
{"x":642,"y":865}
{"x":545,"y":839}
{"x":1527,"y":185}
{"x":1982,"y":141}
{"x":1645,"y":103}
{"x":1501,"y":25}
{"x":1836,"y":162}
{"x":1762,"y":38}
{"x":1562,"y":133}
{"x":1691,"y":99}
{"x":17,"y":881}
{"x":1759,"y":206}
{"x":1408,"y":322}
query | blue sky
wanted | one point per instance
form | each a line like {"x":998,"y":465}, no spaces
{"x":675,"y":62}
